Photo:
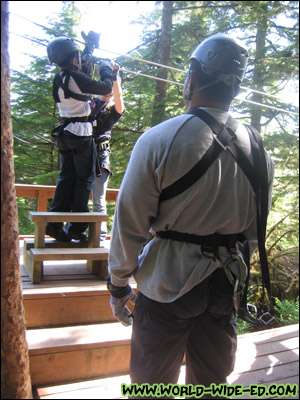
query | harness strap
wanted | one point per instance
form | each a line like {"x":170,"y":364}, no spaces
{"x":223,"y":136}
{"x":75,"y":119}
{"x":210,"y":241}
{"x":257,"y":175}
{"x":62,"y":80}
{"x":58,"y":130}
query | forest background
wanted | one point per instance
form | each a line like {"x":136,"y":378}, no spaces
{"x":269,"y":29}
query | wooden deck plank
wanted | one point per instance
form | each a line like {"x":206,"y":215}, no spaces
{"x":280,"y":367}
{"x":77,"y":337}
{"x":110,"y":388}
{"x":107,"y":388}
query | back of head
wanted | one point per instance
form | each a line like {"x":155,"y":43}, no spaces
{"x":61,"y":50}
{"x":220,"y":63}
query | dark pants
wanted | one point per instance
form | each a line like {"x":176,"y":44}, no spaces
{"x":75,"y":182}
{"x":200,"y":324}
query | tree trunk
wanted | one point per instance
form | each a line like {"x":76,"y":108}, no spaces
{"x":15,"y":376}
{"x":258,"y":77}
{"x":164,"y":49}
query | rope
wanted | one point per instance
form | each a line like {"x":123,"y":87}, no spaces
{"x":164,"y":66}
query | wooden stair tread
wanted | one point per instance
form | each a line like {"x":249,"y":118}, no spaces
{"x":51,"y":340}
{"x":46,"y":292}
{"x":97,"y":289}
{"x":79,"y":253}
{"x":105,"y":388}
{"x":88,"y":217}
{"x":49,"y":242}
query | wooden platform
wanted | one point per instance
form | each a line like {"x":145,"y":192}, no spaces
{"x":263,"y":358}
{"x":77,"y":350}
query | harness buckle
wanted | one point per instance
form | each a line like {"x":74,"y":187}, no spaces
{"x":219,"y":142}
{"x":209,"y":249}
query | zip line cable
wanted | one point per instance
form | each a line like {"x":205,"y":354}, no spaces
{"x":140,"y":59}
{"x":164,"y":66}
{"x":235,"y":99}
{"x":181,"y":84}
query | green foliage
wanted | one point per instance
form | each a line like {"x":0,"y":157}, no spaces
{"x":243,"y":327}
{"x":24,"y":206}
{"x":288,"y":311}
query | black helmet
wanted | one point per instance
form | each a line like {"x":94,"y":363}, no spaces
{"x":60,"y":48}
{"x":223,"y":58}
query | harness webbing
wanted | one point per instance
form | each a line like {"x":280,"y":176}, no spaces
{"x":257,"y":175}
{"x":61,"y":79}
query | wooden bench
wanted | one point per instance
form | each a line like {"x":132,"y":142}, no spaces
{"x":96,"y":257}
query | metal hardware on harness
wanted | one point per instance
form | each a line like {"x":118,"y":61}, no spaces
{"x":103,"y":146}
{"x":235,"y":297}
{"x":252,"y":309}
{"x":219,"y":142}
{"x":266,"y":318}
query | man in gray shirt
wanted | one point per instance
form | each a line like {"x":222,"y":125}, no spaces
{"x":185,"y":302}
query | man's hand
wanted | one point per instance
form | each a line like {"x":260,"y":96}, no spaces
{"x":120,"y":311}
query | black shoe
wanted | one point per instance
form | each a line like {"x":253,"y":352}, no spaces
{"x":57,"y":233}
{"x":82,"y":237}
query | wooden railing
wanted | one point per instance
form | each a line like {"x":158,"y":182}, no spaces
{"x":42,"y":193}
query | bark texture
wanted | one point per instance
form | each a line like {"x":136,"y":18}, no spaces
{"x":164,"y":49}
{"x":15,"y":376}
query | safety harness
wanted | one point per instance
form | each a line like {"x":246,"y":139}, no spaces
{"x":224,"y":139}
{"x":62,"y":79}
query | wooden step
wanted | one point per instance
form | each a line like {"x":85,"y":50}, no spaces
{"x":73,"y":305}
{"x":60,"y":254}
{"x":60,"y":307}
{"x":52,"y":243}
{"x":96,"y":259}
{"x":79,"y":352}
{"x":88,"y":217}
{"x":49,"y":243}
{"x":264,"y":358}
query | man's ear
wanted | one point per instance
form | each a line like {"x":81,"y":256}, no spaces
{"x":193,"y":85}
{"x":190,"y":86}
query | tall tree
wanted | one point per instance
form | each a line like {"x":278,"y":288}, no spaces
{"x":163,"y":57}
{"x":15,"y":376}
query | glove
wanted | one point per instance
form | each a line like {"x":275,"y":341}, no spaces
{"x":104,"y":70}
{"x":104,"y":64}
{"x":118,"y":301}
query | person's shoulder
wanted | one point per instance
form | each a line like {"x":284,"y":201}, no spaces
{"x":80,"y":75}
{"x":168,"y":127}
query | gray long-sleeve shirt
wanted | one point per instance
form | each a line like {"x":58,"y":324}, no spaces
{"x":221,"y":201}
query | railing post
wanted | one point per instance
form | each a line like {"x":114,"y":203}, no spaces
{"x":42,"y":200}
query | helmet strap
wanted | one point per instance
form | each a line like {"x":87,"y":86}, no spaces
{"x":189,"y":93}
